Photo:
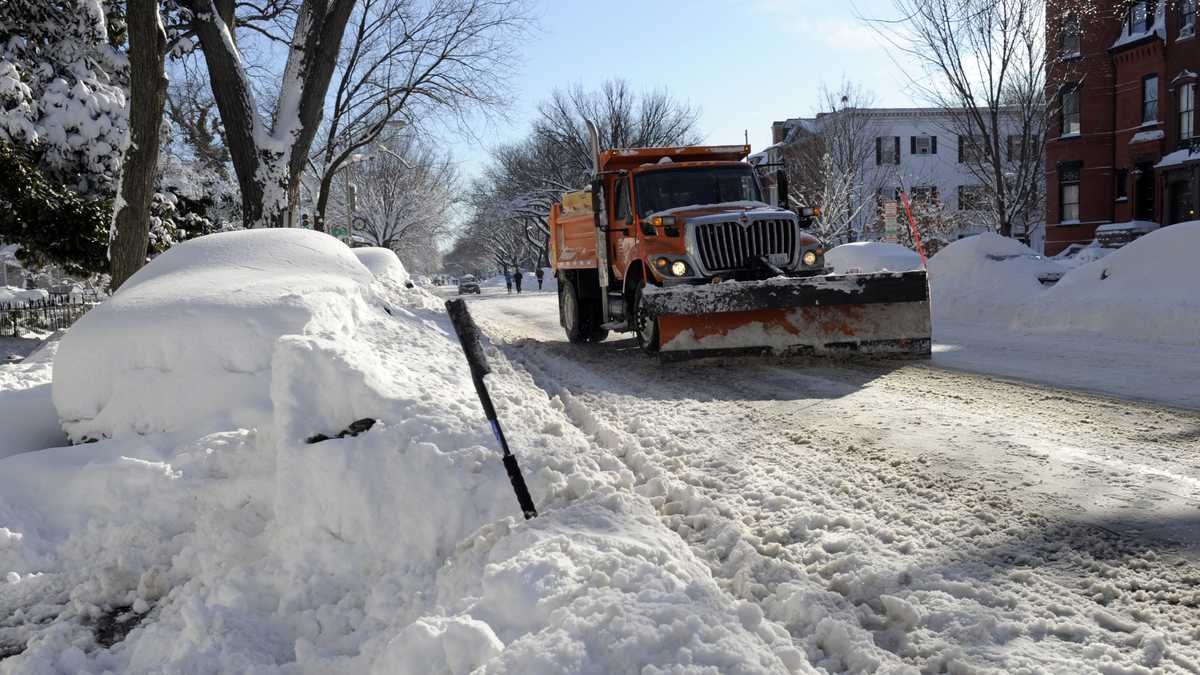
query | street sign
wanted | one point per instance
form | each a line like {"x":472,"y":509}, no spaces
{"x":891,"y":230}
{"x":338,"y":231}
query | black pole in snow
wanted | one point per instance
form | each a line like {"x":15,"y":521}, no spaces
{"x":468,"y":335}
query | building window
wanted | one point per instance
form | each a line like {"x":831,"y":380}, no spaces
{"x":1017,"y":150}
{"x":1069,"y":112}
{"x":969,"y":149}
{"x":923,"y":145}
{"x":1070,"y":36}
{"x":927,"y":194}
{"x":1122,"y":184}
{"x":1149,"y":99}
{"x":971,"y":198}
{"x":1068,"y":192}
{"x":887,"y":150}
{"x":1140,"y":18}
{"x":1187,"y":18}
{"x":1187,"y":111}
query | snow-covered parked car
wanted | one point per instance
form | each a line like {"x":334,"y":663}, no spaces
{"x":468,"y":284}
{"x":863,"y":257}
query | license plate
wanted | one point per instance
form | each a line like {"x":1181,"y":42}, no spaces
{"x":777,"y":258}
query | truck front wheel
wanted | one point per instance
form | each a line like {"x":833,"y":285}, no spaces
{"x":644,"y":325}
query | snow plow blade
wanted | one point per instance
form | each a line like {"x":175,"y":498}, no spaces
{"x":876,"y":314}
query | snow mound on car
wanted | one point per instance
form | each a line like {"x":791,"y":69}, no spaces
{"x":872,"y":256}
{"x":262,"y":548}
{"x":985,"y":278}
{"x":1145,"y":290}
{"x":383,"y":263}
{"x":187,"y":342}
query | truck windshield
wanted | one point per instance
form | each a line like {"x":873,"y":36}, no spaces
{"x":671,"y":188}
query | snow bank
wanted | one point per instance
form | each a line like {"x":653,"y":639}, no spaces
{"x":28,"y":420}
{"x":1145,"y":291}
{"x":872,"y":256}
{"x":383,"y":263}
{"x":985,"y":278}
{"x":187,"y":342}
{"x":398,"y":550}
{"x":14,"y":295}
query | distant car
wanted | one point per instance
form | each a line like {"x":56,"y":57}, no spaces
{"x":468,"y":284}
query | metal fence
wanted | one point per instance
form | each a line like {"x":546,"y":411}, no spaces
{"x":54,"y":313}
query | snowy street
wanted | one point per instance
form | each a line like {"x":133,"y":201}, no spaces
{"x":1024,"y":524}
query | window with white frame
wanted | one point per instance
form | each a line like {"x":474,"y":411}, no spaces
{"x":1070,"y":36}
{"x":971,"y":198}
{"x":887,"y":150}
{"x":923,"y":145}
{"x":1187,"y":18}
{"x":1068,"y":192}
{"x":1069,"y":112}
{"x":1150,"y":99}
{"x":1187,"y":111}
{"x":1140,"y":18}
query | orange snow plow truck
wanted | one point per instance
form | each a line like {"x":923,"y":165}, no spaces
{"x":677,"y":246}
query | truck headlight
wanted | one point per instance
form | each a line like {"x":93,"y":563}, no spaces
{"x":810,"y":258}
{"x":679,"y":268}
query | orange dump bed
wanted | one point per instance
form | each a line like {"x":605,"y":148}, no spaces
{"x":572,"y":239}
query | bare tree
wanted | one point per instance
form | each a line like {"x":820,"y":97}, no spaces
{"x":409,"y":59}
{"x":268,"y":157}
{"x":623,"y":118}
{"x":406,"y":199}
{"x":130,"y":237}
{"x":987,"y":60}
{"x":827,"y":164}
{"x":524,"y":179}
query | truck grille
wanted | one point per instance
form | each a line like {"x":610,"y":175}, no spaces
{"x":730,"y":246}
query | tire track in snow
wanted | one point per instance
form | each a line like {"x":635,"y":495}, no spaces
{"x":907,"y":528}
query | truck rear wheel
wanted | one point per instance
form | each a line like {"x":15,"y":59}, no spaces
{"x":575,"y":313}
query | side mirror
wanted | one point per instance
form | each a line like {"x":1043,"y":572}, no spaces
{"x":781,"y":189}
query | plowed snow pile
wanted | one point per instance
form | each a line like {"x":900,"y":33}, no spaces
{"x":985,"y":278}
{"x":1148,"y":290}
{"x":202,"y":533}
{"x":1144,"y":291}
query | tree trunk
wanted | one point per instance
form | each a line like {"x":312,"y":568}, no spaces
{"x":147,"y":97}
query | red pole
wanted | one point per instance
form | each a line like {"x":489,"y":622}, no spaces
{"x":913,"y":224}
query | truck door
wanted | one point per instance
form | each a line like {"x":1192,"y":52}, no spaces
{"x":625,"y":242}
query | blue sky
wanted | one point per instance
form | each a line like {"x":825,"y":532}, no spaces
{"x":744,"y":63}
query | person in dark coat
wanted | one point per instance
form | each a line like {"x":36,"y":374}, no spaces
{"x":508,"y":280}
{"x":539,"y":274}
{"x":517,"y":278}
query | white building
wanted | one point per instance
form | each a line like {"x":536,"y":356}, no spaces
{"x":916,"y":149}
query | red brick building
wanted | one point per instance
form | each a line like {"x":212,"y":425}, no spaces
{"x":1123,"y":144}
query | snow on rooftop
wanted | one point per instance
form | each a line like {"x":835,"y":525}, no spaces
{"x":1147,"y":136}
{"x":1129,"y":226}
{"x":1179,"y":158}
{"x":1158,"y":27}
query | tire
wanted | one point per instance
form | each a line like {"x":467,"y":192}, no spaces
{"x":645,"y":327}
{"x":571,"y":313}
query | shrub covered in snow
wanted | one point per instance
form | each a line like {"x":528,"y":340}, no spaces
{"x":986,"y":278}
{"x":872,"y":256}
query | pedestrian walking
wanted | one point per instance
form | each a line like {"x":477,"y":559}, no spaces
{"x":539,"y":274}
{"x":508,"y":281}
{"x":517,"y":278}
